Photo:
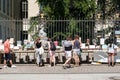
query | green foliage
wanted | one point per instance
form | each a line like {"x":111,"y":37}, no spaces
{"x":85,"y":7}
{"x":33,"y":28}
{"x":68,"y":8}
{"x":69,"y":30}
{"x":108,"y":8}
{"x":56,"y":34}
{"x":71,"y":27}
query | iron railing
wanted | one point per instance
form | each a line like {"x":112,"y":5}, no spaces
{"x":59,"y":29}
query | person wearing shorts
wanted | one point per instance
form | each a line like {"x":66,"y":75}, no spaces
{"x":68,"y":52}
{"x":76,"y":49}
{"x":51,"y":53}
{"x":111,"y":53}
{"x":7,"y":54}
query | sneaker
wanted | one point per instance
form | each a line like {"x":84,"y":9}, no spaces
{"x":69,"y":66}
{"x":13,"y":66}
{"x":5,"y":66}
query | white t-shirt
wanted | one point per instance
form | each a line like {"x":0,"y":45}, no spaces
{"x":112,"y":48}
{"x":67,"y":43}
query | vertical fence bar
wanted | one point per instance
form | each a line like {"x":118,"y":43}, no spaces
{"x":54,"y":24}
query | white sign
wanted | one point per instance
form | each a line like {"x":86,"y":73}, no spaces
{"x":117,"y":32}
{"x":0,"y":41}
{"x":102,"y":40}
{"x":11,"y":40}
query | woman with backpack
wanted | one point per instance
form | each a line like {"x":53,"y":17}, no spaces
{"x":76,"y":49}
{"x":112,"y":51}
{"x":51,"y":50}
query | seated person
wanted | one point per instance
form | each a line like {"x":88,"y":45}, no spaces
{"x":87,"y":42}
{"x":28,"y":45}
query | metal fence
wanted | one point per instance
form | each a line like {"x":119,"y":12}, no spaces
{"x":59,"y":29}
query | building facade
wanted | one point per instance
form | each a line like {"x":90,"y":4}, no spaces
{"x":9,"y":11}
{"x":15,"y":16}
{"x":30,"y":8}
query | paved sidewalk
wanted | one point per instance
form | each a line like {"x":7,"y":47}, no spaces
{"x":60,"y":77}
{"x":58,"y":69}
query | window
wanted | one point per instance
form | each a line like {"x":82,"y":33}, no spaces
{"x":4,"y":6}
{"x":8,"y":6}
{"x":0,"y":4}
{"x":24,"y":9}
{"x":24,"y":35}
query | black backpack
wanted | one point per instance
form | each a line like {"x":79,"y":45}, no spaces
{"x":52,"y":46}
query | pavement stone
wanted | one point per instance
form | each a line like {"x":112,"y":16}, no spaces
{"x":58,"y":69}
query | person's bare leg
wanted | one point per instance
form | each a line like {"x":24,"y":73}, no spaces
{"x":67,"y":61}
{"x":50,"y":57}
{"x":109,"y":59}
{"x":112,"y":59}
{"x":77,"y":60}
{"x":50,"y":60}
{"x":4,"y":62}
{"x":11,"y":62}
{"x":54,"y":59}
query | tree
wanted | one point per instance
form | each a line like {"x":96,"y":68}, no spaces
{"x":68,"y":8}
{"x":108,"y":8}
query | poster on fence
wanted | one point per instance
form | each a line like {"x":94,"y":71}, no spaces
{"x":1,"y":45}
{"x":102,"y":40}
{"x":102,"y":56}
